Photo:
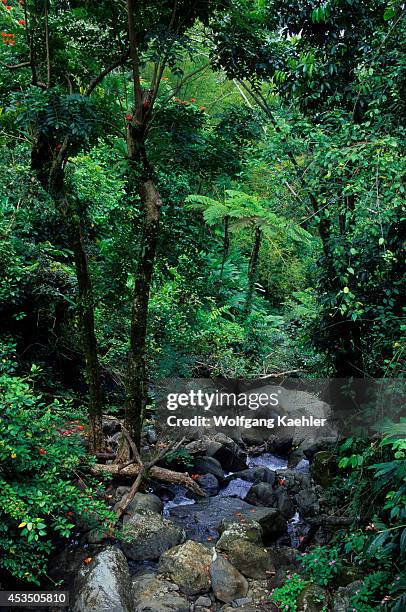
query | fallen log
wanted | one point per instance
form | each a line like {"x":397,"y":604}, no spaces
{"x":155,"y":472}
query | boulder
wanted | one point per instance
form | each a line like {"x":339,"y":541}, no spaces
{"x":229,"y":454}
{"x":250,"y":531}
{"x":250,"y":559}
{"x":144,"y":503}
{"x":148,"y":535}
{"x":154,"y":594}
{"x":227,"y":582}
{"x":342,"y":597}
{"x":209,"y":484}
{"x":188,"y":566}
{"x":264,"y":494}
{"x":293,"y":481}
{"x":104,"y":585}
{"x":313,"y":598}
{"x":208,"y":465}
{"x":307,"y":502}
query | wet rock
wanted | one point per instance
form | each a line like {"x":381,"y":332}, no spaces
{"x":104,"y":585}
{"x":312,"y":599}
{"x":208,"y":465}
{"x":227,"y":582}
{"x":323,"y":468}
{"x":202,"y":520}
{"x":307,"y":503}
{"x":254,"y":475}
{"x":293,"y":481}
{"x":154,"y":594}
{"x":150,"y":535}
{"x":263,"y":494}
{"x":209,"y":484}
{"x":188,"y":566}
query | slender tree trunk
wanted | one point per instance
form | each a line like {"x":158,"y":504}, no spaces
{"x":137,"y":374}
{"x":52,"y":176}
{"x":136,"y":387}
{"x":88,"y":335}
{"x":252,"y":271}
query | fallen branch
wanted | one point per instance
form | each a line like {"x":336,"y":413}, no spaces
{"x":155,"y":472}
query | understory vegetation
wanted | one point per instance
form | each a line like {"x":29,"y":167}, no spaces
{"x":198,"y":190}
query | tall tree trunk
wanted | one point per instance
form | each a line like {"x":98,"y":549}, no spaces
{"x":252,"y":271}
{"x":136,"y":387}
{"x":86,"y":319}
{"x":136,"y":373}
{"x":51,"y":174}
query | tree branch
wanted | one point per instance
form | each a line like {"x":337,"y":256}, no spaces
{"x":97,"y":80}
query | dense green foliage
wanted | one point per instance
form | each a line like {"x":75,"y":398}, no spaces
{"x":275,"y":138}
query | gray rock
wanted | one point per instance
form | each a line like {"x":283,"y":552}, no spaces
{"x":250,"y":531}
{"x":252,"y":560}
{"x":209,"y":484}
{"x":111,"y":426}
{"x":262,"y":494}
{"x":307,"y":503}
{"x":227,"y":582}
{"x":141,"y":504}
{"x":188,"y":566}
{"x":343,"y":596}
{"x":154,"y":594}
{"x":203,"y":602}
{"x":312,"y":599}
{"x":148,"y":535}
{"x":208,"y":465}
{"x":243,"y":601}
{"x":104,"y":585}
{"x":120,"y":492}
{"x":293,"y":481}
{"x":284,"y":556}
{"x":230,"y":455}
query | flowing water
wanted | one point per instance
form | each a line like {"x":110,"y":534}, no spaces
{"x":234,"y":489}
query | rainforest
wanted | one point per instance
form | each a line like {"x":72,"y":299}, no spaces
{"x":198,"y":199}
